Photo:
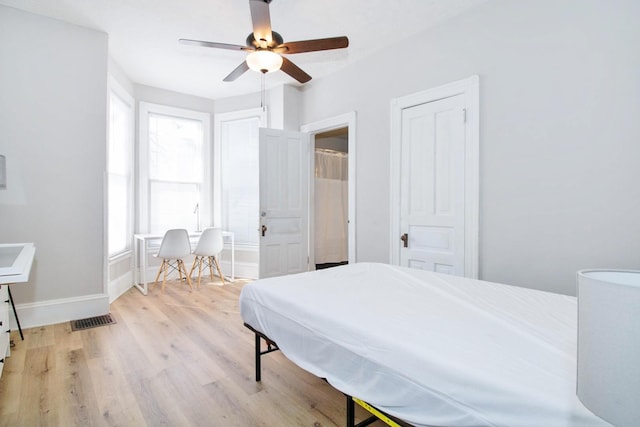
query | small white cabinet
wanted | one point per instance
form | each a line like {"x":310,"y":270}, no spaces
{"x":4,"y":324}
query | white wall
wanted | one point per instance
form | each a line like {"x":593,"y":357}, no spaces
{"x":173,"y":99}
{"x":283,"y":106}
{"x":559,"y":132}
{"x":53,"y":80}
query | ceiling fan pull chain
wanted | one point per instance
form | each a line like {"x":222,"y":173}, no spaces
{"x":262,"y":92}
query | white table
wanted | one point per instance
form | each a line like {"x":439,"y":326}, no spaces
{"x":16,"y":260}
{"x":141,"y":246}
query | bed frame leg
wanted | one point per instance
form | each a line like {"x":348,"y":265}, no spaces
{"x":351,"y":412}
{"x":258,"y":369}
{"x":271,"y":346}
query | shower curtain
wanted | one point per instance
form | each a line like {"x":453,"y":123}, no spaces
{"x":331,"y":207}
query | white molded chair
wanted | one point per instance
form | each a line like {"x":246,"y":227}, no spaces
{"x":207,"y":250}
{"x":174,"y":247}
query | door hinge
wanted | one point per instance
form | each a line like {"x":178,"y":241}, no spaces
{"x":464,"y":115}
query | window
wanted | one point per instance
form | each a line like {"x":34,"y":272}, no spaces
{"x":174,"y":168}
{"x":120,"y":167}
{"x":237,"y":173}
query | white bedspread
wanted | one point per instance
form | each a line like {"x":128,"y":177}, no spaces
{"x":431,"y":349}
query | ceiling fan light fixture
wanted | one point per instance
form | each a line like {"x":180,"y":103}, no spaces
{"x":264,"y":61}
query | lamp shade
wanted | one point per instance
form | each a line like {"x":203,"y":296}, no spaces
{"x":609,"y":344}
{"x":264,"y":61}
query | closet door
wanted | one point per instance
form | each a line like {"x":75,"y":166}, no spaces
{"x":432,"y":200}
{"x":435,"y":178}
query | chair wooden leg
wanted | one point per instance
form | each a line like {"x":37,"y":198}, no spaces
{"x":159,"y":271}
{"x":193,"y":266}
{"x":164,"y":276}
{"x":182,"y":269}
{"x":215,"y":259}
{"x":200,"y":265}
{"x":155,"y":282}
{"x":210,"y":259}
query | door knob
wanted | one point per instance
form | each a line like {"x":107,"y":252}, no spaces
{"x":264,"y":229}
{"x":404,"y":238}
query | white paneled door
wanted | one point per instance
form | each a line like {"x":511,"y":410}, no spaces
{"x":284,"y":202}
{"x":432,"y":179}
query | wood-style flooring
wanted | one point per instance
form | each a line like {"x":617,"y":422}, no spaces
{"x":179,"y":359}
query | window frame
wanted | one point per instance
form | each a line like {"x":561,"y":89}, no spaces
{"x":145,"y":109}
{"x":115,"y":89}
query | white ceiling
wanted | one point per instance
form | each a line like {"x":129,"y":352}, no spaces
{"x":143,"y":35}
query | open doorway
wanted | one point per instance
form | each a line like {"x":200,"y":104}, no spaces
{"x":331,"y":198}
{"x":344,"y":123}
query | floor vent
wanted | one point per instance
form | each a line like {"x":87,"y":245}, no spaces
{"x":92,"y":322}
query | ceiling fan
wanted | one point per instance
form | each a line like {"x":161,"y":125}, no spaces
{"x":266,"y":46}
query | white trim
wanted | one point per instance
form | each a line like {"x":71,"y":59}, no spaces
{"x":468,"y":87}
{"x":246,"y":270}
{"x":105,"y":223}
{"x":60,"y":310}
{"x":349,"y":120}
{"x":122,"y":255}
{"x":143,"y":159}
{"x":119,"y":286}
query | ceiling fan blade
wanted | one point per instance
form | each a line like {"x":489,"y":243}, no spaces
{"x":240,"y":69}
{"x":294,"y":71}
{"x":313,"y":45}
{"x":261,"y":20}
{"x":214,"y":44}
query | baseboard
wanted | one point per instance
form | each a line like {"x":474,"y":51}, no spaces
{"x":119,"y":286}
{"x":245,"y":270}
{"x":60,"y":310}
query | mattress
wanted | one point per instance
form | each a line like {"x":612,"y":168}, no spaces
{"x":430,"y":349}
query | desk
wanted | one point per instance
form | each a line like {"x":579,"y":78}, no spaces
{"x":141,"y":252}
{"x":16,"y":260}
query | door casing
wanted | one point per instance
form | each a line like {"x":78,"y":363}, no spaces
{"x":344,"y":120}
{"x":469,"y":88}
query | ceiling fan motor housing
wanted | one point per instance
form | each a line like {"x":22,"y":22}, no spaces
{"x":276,"y":40}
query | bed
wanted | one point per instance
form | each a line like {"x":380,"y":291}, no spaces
{"x":427,"y":348}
